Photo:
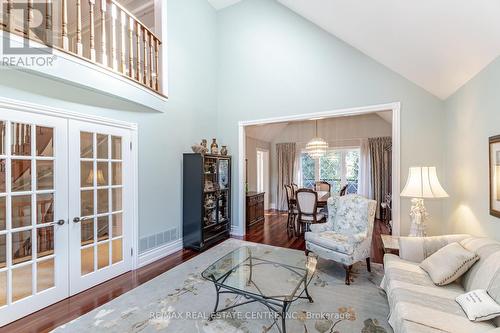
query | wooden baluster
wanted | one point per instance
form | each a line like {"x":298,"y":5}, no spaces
{"x":29,"y":19}
{"x":10,"y":17}
{"x":48,"y":21}
{"x":64,"y":26}
{"x":123,"y":24}
{"x":92,"y":30}
{"x":138,"y":76}
{"x":114,"y":15}
{"x":131,"y":47}
{"x":104,"y":45}
{"x":157,"y":66}
{"x":145,"y":57}
{"x":79,"y":45}
{"x":151,"y":53}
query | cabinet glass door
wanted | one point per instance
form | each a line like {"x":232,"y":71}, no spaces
{"x":224,"y":181}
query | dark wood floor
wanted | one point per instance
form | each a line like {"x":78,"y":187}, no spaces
{"x":272,"y":232}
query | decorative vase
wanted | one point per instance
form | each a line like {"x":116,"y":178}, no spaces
{"x":223,"y":151}
{"x":214,"y":147}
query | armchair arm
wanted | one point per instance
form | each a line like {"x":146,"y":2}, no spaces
{"x":417,"y":249}
{"x":359,"y":237}
{"x":317,"y":228}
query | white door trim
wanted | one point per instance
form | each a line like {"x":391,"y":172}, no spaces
{"x":17,"y":105}
{"x":395,"y":107}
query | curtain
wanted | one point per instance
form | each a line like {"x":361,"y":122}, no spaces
{"x":286,"y":153}
{"x":381,"y":169}
{"x":365,"y":172}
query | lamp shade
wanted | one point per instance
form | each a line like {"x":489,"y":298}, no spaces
{"x":423,"y":182}
{"x":317,"y":147}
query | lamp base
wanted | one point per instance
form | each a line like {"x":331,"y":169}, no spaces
{"x":419,"y":216}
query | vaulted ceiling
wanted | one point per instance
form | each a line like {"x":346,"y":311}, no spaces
{"x":439,"y":45}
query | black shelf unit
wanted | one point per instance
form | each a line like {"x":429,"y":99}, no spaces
{"x":206,"y":200}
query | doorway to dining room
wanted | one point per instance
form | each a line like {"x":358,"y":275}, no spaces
{"x":309,"y":151}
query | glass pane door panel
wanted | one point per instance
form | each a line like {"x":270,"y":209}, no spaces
{"x":44,"y":141}
{"x":2,"y":213}
{"x":3,"y":288}
{"x":117,"y":250}
{"x":117,"y":200}
{"x":20,"y":139}
{"x":117,"y":225}
{"x":102,"y":174}
{"x":86,"y":145}
{"x":2,"y":137}
{"x":45,"y":275}
{"x":87,"y":260}
{"x":87,"y":202}
{"x":45,"y":242}
{"x":102,"y":201}
{"x":21,"y":246}
{"x":3,"y":251}
{"x":103,"y":228}
{"x":102,"y":146}
{"x":103,"y":255}
{"x":44,"y":208}
{"x":87,"y":232}
{"x":2,"y":176}
{"x":116,"y":147}
{"x":21,"y":175}
{"x":116,"y":171}
{"x":44,"y":175}
{"x":21,"y":211}
{"x":87,"y":174}
{"x":21,"y":282}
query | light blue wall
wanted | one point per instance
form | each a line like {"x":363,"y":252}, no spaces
{"x":271,"y":62}
{"x":163,"y":137}
{"x":473,"y":115}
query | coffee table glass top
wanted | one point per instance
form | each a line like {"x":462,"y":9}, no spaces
{"x":268,"y":272}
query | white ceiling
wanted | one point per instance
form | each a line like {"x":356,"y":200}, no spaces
{"x":439,"y":45}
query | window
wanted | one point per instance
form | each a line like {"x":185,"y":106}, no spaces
{"x":338,"y":167}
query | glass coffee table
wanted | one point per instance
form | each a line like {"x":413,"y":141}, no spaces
{"x":274,"y":277}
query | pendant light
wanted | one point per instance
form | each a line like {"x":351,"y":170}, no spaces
{"x":317,"y":146}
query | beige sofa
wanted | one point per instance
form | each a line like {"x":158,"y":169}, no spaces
{"x":417,"y":305}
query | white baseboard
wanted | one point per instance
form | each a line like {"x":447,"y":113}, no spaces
{"x":150,"y":256}
{"x":272,"y":206}
{"x":236,"y":231}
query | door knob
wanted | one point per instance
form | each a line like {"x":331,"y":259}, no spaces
{"x":60,"y":222}
{"x":81,"y":219}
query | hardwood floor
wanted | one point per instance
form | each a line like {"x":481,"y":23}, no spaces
{"x":271,"y":232}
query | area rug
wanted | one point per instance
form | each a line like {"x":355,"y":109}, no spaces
{"x":181,"y":301}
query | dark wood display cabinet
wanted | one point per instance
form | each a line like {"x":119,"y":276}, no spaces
{"x":206,"y":200}
{"x":255,"y":208}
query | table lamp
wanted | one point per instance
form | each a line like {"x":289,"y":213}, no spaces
{"x":422,"y":183}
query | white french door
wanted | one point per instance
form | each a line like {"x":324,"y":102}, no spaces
{"x":66,"y":209}
{"x":99,"y":205}
{"x":33,"y":213}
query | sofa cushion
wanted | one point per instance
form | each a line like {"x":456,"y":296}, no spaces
{"x":448,"y":263}
{"x":481,"y":274}
{"x":478,"y":305}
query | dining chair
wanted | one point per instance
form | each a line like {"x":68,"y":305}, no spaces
{"x":295,"y":188}
{"x":322,"y":186}
{"x":292,"y":209}
{"x":307,"y":206}
{"x":343,"y":190}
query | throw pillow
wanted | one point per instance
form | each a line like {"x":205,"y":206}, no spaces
{"x":478,"y":305}
{"x":494,"y":288}
{"x":448,"y":263}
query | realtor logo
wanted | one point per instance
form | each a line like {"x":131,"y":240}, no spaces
{"x":28,"y":35}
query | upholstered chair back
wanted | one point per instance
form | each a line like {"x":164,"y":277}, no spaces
{"x":322,"y":186}
{"x":354,"y":214}
{"x":307,"y":201}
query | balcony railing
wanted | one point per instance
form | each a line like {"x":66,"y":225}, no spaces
{"x":100,"y":31}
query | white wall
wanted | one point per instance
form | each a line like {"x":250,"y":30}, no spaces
{"x":473,"y":115}
{"x":190,"y":113}
{"x":271,"y":62}
{"x":338,"y":132}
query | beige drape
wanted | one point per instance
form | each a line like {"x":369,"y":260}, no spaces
{"x":381,"y":167}
{"x":286,"y":170}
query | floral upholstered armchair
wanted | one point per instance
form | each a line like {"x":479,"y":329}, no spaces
{"x":347,"y":236}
